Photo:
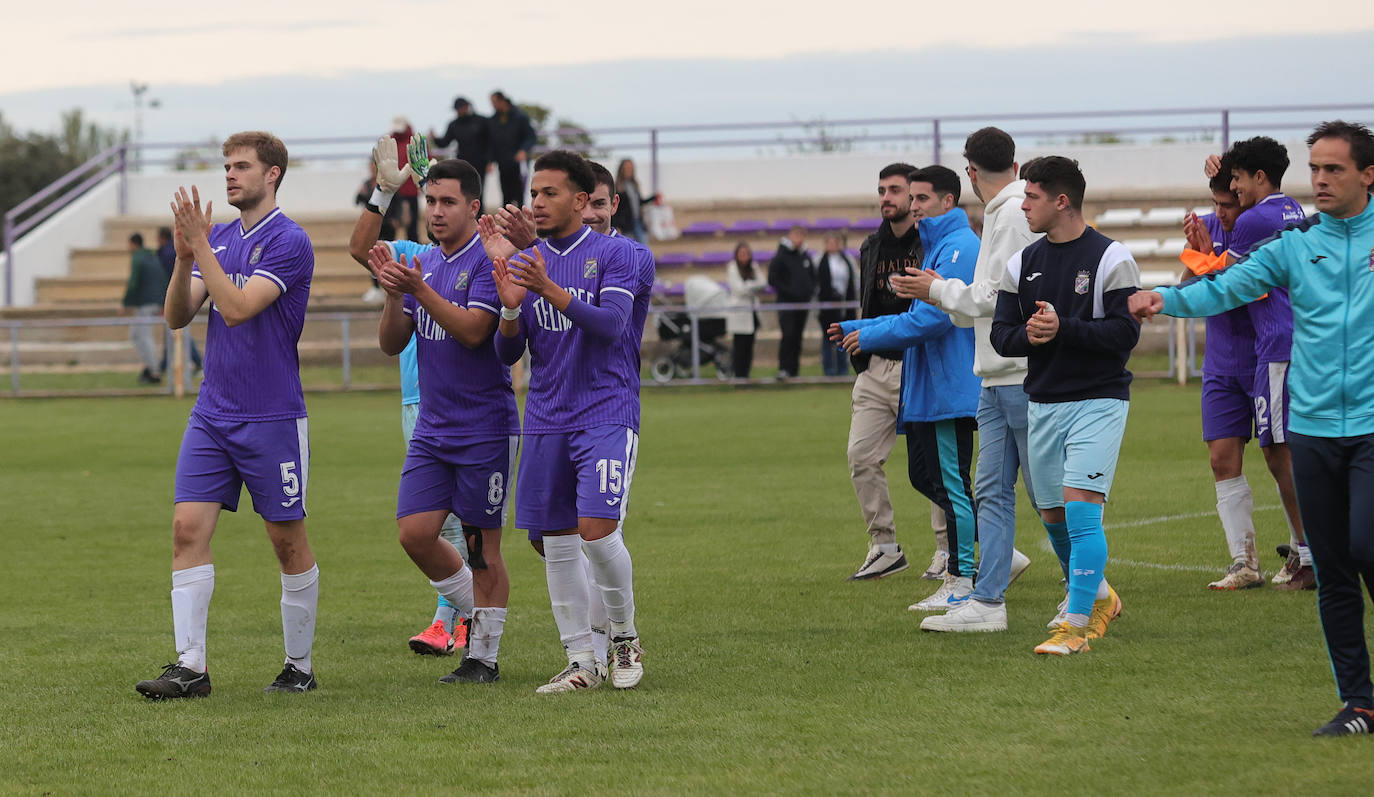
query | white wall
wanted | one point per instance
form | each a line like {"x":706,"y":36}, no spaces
{"x":320,"y":189}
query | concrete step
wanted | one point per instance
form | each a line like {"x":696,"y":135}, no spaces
{"x":331,"y":228}
{"x":331,"y":283}
{"x":113,"y":261}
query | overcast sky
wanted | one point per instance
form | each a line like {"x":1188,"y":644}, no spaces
{"x":312,"y":68}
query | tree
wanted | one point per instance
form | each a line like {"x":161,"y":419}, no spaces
{"x":562,"y":134}
{"x":31,"y":161}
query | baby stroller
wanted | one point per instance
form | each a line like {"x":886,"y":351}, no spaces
{"x":700,"y":293}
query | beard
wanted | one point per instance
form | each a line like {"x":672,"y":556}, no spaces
{"x":890,"y":212}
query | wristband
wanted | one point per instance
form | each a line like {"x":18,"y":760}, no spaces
{"x":380,"y":200}
{"x":510,"y":315}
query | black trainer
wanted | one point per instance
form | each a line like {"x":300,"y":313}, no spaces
{"x":1351,"y":720}
{"x":472,"y":671}
{"x":293,"y":680}
{"x":175,"y":681}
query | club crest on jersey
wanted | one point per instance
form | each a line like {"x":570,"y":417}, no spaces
{"x":589,"y":269}
{"x":1371,"y":259}
{"x":255,"y":256}
{"x":462,"y":281}
{"x":1080,"y":283}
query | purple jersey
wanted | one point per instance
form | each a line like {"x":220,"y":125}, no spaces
{"x":467,"y":392}
{"x":577,"y":381}
{"x":252,"y":371}
{"x":644,"y":265}
{"x":1230,"y":349}
{"x":1272,"y":316}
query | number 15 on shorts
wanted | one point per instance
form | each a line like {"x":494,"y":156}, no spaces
{"x":610,"y":478}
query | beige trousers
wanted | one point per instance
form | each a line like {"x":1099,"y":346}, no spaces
{"x":872,"y":434}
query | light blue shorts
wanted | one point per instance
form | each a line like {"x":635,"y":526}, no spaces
{"x":1074,"y":444}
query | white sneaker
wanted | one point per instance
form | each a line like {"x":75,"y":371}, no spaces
{"x":939,"y":564}
{"x":950,"y":594}
{"x":1019,"y":563}
{"x":971,"y":615}
{"x":573,"y":679}
{"x":1061,"y":614}
{"x":879,"y":564}
{"x":627,"y":663}
{"x":1240,"y":576}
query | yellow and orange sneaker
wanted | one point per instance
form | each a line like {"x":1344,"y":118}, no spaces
{"x":1104,"y":611}
{"x":434,"y":641}
{"x":1066,"y":641}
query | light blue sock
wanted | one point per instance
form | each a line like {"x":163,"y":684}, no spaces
{"x":1088,"y":557}
{"x":443,"y":613}
{"x":1059,"y":540}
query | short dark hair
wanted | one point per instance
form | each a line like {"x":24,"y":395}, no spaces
{"x":1221,"y":181}
{"x":990,"y":149}
{"x":459,"y":102}
{"x":941,"y":178}
{"x":469,"y":183}
{"x":164,"y":233}
{"x":1357,"y":135}
{"x":896,"y":170}
{"x":571,"y":164}
{"x":603,"y":177}
{"x":136,"y":239}
{"x":1057,"y":175}
{"x":1260,"y":154}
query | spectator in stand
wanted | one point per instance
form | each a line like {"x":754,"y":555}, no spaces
{"x":629,"y":218}
{"x":143,"y":297}
{"x":838,"y":281}
{"x":472,"y":133}
{"x":405,"y":212}
{"x":167,"y":255}
{"x":512,"y":138}
{"x":792,"y":274}
{"x":745,"y":280}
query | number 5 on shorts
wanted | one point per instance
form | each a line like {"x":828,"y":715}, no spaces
{"x":290,"y":482}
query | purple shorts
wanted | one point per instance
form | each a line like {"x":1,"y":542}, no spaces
{"x":1228,"y":409}
{"x":272,"y":458}
{"x":466,"y":476}
{"x":1271,"y":403}
{"x":569,"y":475}
{"x":1245,"y":407}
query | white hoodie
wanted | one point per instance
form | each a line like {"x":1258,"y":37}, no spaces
{"x":1005,"y":232}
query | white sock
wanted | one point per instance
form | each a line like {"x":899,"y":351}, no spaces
{"x":596,"y":615}
{"x":1304,"y":555}
{"x":614,"y":573}
{"x":484,"y":637}
{"x":1076,"y":620}
{"x":567,"y":579}
{"x":457,"y":590}
{"x":300,"y":600}
{"x":1102,"y":593}
{"x":1235,"y":507}
{"x":888,"y":547}
{"x":191,"y":591}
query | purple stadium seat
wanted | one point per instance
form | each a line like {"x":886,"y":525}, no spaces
{"x":674,"y":260}
{"x":675,"y":290}
{"x":781,"y":226}
{"x":828,"y":225}
{"x":704,"y":228}
{"x":867,"y":225}
{"x":718,"y":258}
{"x":747,"y":227}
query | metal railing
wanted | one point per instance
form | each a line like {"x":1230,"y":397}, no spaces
{"x":1200,"y":123}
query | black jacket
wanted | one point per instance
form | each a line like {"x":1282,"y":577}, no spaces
{"x":511,"y":134}
{"x":829,"y":294}
{"x":792,"y":274}
{"x":473,"y":134}
{"x":868,"y":278}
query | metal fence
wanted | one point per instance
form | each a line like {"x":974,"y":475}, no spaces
{"x":688,"y":357}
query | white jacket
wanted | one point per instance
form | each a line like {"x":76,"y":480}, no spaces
{"x":743,"y":291}
{"x":1005,"y":232}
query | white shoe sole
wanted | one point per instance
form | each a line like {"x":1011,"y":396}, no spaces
{"x":940,"y":622}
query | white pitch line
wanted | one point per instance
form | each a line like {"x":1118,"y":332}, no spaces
{"x":1044,"y":543}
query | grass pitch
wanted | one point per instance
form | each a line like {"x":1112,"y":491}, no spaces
{"x":766,"y":670}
